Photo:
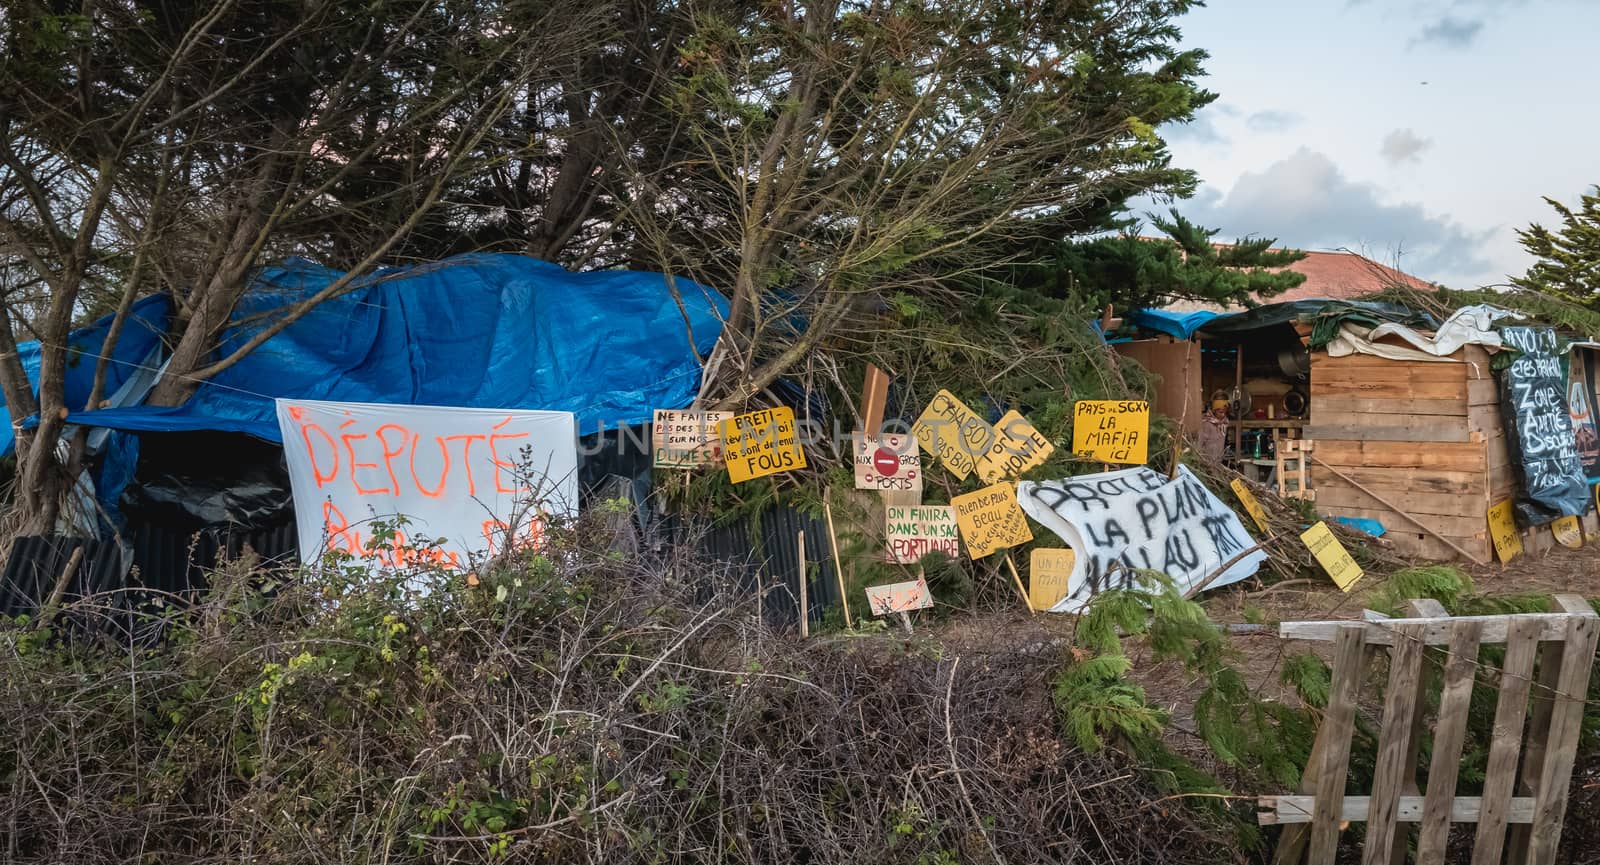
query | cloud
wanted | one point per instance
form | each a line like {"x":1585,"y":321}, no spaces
{"x":1201,"y":130}
{"x":1273,"y":120}
{"x":1450,"y":31}
{"x":1403,"y":145}
{"x":1306,"y":201}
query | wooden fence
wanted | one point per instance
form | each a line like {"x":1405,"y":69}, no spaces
{"x":1524,"y":798}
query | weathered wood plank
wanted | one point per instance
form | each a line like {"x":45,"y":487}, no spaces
{"x":1297,"y":809}
{"x":1345,"y":692}
{"x":1432,"y":549}
{"x":1338,"y":405}
{"x":1522,"y":644}
{"x":1448,"y":525}
{"x":1561,"y":746}
{"x":1466,"y":456}
{"x":1455,"y":699}
{"x":1485,"y":392}
{"x":1386,"y":390}
{"x":1402,"y":480}
{"x":1394,"y":743}
{"x":1436,"y":631}
{"x":1332,"y":495}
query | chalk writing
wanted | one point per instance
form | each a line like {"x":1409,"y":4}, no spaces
{"x":1017,"y":447}
{"x":761,"y":443}
{"x":1332,"y":555}
{"x":911,"y":532}
{"x":953,"y":434}
{"x":687,"y":439}
{"x":1111,"y":431}
{"x":899,"y":597}
{"x":991,"y":520}
{"x":458,"y":477}
{"x":1539,"y":428}
{"x":1503,"y":531}
{"x":1137,"y":519}
{"x":887,"y":462}
{"x":1048,"y":573}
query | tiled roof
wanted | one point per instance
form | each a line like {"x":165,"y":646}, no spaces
{"x":1336,"y":275}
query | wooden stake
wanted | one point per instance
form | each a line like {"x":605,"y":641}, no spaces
{"x":805,"y":608}
{"x":1177,"y":456}
{"x":838,"y":564}
{"x":48,"y":611}
{"x":1017,"y":578}
{"x":905,"y":620}
{"x":874,"y":398}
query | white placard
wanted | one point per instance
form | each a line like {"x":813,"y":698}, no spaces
{"x":460,"y":477}
{"x":1141,"y":520}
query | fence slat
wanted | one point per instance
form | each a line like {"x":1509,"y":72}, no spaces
{"x":1394,"y":742}
{"x":1420,"y":608}
{"x":1455,"y":698}
{"x":1522,"y":642}
{"x":1560,"y":749}
{"x":1294,"y":811}
{"x":1348,"y":666}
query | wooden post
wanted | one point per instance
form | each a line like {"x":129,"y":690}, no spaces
{"x":838,"y":564}
{"x":1238,"y":389}
{"x":805,"y":608}
{"x":874,"y":397}
{"x":1017,"y":578}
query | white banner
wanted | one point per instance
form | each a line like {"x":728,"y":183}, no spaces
{"x":1144,"y":521}
{"x":468,"y":480}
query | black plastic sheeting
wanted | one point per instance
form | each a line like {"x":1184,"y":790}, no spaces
{"x":1325,"y":312}
{"x":767,"y":561}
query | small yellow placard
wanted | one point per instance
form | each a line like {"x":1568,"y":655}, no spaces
{"x":1251,"y":506}
{"x":1048,"y":570}
{"x":1017,"y":447}
{"x":1332,"y":555}
{"x":761,"y":443}
{"x":1503,"y":531}
{"x":953,"y":434}
{"x":990,"y":519}
{"x":1568,"y":533}
{"x":1112,"y":431}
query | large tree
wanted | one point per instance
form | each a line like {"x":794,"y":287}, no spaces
{"x":1569,"y":257}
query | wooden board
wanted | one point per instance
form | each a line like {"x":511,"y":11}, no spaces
{"x":1431,"y":549}
{"x":1290,"y":810}
{"x":1377,"y":389}
{"x":1340,"y":405}
{"x":1370,"y":366}
{"x":1436,"y":631}
{"x":1450,"y":526}
{"x":1450,"y":456}
{"x":1403,"y":480}
{"x":1455,"y":698}
{"x":1500,"y":775}
{"x":1484,"y":392}
{"x":1335,"y":495}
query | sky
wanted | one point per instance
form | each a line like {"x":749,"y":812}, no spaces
{"x":1420,"y":133}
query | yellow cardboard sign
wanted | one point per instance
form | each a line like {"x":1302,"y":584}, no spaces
{"x":1048,"y":571}
{"x":761,"y":443}
{"x":1017,"y":447}
{"x":687,"y":439}
{"x":1251,"y":506}
{"x":1503,"y":531}
{"x":1112,"y":431}
{"x":1332,"y":555}
{"x":990,"y":519}
{"x":1568,"y":533}
{"x":953,"y":434}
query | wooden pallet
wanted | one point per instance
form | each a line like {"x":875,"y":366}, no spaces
{"x":1519,"y":815}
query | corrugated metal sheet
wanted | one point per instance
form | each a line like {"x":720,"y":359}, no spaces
{"x":37,"y":562}
{"x":767,"y":559}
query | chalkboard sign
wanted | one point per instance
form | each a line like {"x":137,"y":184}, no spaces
{"x":1533,"y":399}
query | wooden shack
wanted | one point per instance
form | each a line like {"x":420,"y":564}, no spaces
{"x":1418,"y":446}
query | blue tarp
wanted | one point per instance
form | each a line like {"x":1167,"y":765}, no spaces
{"x":147,"y":321}
{"x":480,"y":331}
{"x":1178,"y":324}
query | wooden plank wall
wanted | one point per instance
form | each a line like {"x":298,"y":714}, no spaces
{"x":1415,"y":432}
{"x":1176,"y":363}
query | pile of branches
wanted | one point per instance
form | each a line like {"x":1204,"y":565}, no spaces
{"x":575,"y":705}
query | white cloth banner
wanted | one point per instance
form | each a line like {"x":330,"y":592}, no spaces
{"x":1144,"y":521}
{"x":1469,"y":325}
{"x":467,"y":480}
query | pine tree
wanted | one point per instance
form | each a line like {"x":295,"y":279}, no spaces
{"x":1569,"y":258}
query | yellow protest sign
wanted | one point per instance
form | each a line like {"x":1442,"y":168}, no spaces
{"x":1332,"y":555}
{"x":1048,"y":571}
{"x":1568,"y":533}
{"x":687,"y":439}
{"x":1251,"y":506}
{"x":1017,"y":447}
{"x":1112,"y":431}
{"x":953,"y":434}
{"x":1503,"y":531}
{"x":990,"y":519}
{"x":761,"y":443}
